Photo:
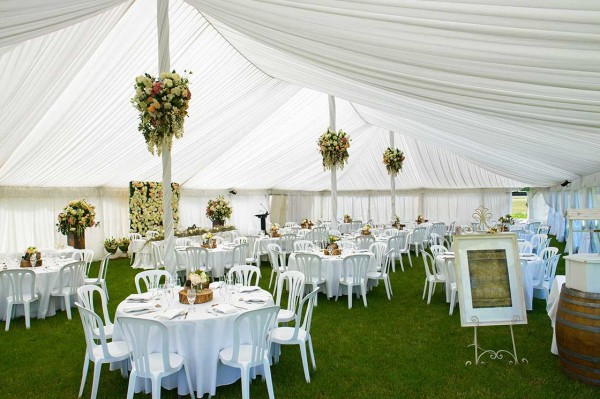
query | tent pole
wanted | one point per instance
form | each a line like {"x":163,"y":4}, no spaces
{"x":393,"y":181}
{"x":334,"y":225}
{"x":164,"y":65}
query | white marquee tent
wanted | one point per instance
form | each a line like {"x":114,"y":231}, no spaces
{"x":484,"y":96}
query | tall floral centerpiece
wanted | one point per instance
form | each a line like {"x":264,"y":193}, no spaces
{"x":218,"y":210}
{"x":334,"y":148}
{"x":74,"y":219}
{"x":393,"y":159}
{"x":163,"y":103}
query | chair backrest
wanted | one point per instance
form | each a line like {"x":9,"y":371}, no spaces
{"x":303,"y":318}
{"x":228,"y":236}
{"x":428,"y":263}
{"x":335,"y":233}
{"x":397,"y":242}
{"x":533,"y":226}
{"x":244,"y":274}
{"x":158,"y":249}
{"x":356,"y":224}
{"x":240,"y":240}
{"x":151,"y":233}
{"x":239,"y":254}
{"x":363,"y":242}
{"x":379,"y":249}
{"x":286,"y":241}
{"x":439,"y":228}
{"x":525,"y":247}
{"x":354,"y":268}
{"x":151,"y":279}
{"x":196,"y":258}
{"x":134,"y":236}
{"x":418,"y":235}
{"x":303,"y":246}
{"x":390,"y":232}
{"x":103,"y":268}
{"x":520,"y":233}
{"x":289,"y":224}
{"x":543,"y":230}
{"x":537,"y":239}
{"x":276,"y":257}
{"x":86,"y":294}
{"x":548,"y":252}
{"x":346,"y":244}
{"x":295,"y":284}
{"x":543,"y":245}
{"x":310,"y":265}
{"x":93,"y":329}
{"x":251,"y":250}
{"x":71,"y":276}
{"x":142,"y":335}
{"x":183,"y":241}
{"x":84,"y":255}
{"x":550,"y":268}
{"x":254,"y":326}
{"x":18,"y":282}
{"x":438,"y":250}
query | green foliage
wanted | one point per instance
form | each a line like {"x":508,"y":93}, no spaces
{"x":519,"y":207}
{"x":401,"y":348}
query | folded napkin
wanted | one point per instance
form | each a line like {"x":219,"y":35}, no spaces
{"x":137,"y":307}
{"x":225,"y":308}
{"x":145,"y":297}
{"x":256,"y":298}
{"x":170,"y":314}
{"x":251,"y":288}
{"x":216,"y":285}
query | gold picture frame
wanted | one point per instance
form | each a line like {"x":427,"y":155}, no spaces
{"x":488,"y":278}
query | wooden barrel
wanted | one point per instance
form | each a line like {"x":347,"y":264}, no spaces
{"x":578,"y":334}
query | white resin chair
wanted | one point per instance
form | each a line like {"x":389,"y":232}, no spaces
{"x":346,"y":244}
{"x":432,"y":276}
{"x":437,"y":250}
{"x":278,"y":266}
{"x":134,"y":236}
{"x":354,"y":274}
{"x":383,"y":274}
{"x":453,"y":287}
{"x":85,"y":255}
{"x":286,"y":242}
{"x":238,"y":256}
{"x":86,"y":296}
{"x":256,"y":326}
{"x":98,"y":349}
{"x":240,"y":240}
{"x":525,"y":247}
{"x":311,"y":266}
{"x":548,"y":252}
{"x":391,"y":232}
{"x":549,"y":272}
{"x":537,"y":240}
{"x":295,"y":284}
{"x":379,"y":249}
{"x":300,"y":333}
{"x":252,"y":256}
{"x":183,"y":242}
{"x":158,"y":250}
{"x":363,"y":242}
{"x":335,"y":233}
{"x":151,"y":233}
{"x":417,"y":239}
{"x":70,"y":278}
{"x":196,"y":259}
{"x":19,"y":289}
{"x":304,"y":246}
{"x":244,"y":274}
{"x":101,"y":279}
{"x":142,"y":334}
{"x":400,"y":243}
{"x":151,"y":279}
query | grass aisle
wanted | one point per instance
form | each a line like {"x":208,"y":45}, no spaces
{"x":393,"y":349}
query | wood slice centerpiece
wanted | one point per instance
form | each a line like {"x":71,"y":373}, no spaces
{"x":366,"y":232}
{"x":25,"y":261}
{"x":275,"y":234}
{"x":206,"y":295}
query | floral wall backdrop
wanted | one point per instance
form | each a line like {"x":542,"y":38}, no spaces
{"x":146,"y":206}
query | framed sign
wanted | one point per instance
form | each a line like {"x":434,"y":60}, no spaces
{"x":488,"y":277}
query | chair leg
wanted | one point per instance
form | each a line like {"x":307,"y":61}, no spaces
{"x":452,"y":302}
{"x":271,"y":279}
{"x":387,"y":288}
{"x":401,"y":263}
{"x":390,"y":285}
{"x":131,"y":385}
{"x":27,"y":309}
{"x":68,"y":305}
{"x":312,"y":354}
{"x":393,"y":260}
{"x":304,"y":361}
{"x":9,"y":308}
{"x":86,"y":363}
{"x":431,"y":291}
{"x":156,"y":388}
{"x":425,"y":288}
{"x":410,"y":259}
{"x":267,"y":371}
{"x":363,"y":288}
{"x":245,"y":382}
{"x":315,"y":286}
{"x":103,"y":284}
{"x":350,"y":289}
{"x":96,"y":379}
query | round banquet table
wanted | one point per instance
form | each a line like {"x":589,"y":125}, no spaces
{"x":198,"y":338}
{"x":217,"y":258}
{"x":332,"y":271}
{"x":46,"y":280}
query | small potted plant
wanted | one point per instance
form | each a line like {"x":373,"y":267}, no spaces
{"x":274,"y":231}
{"x":505,"y":222}
{"x":111,"y":245}
{"x":123,"y":244}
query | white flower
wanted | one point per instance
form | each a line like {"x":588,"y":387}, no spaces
{"x":195,"y":279}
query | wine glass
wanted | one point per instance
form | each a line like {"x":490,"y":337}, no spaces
{"x":191,"y":297}
{"x":33,"y":259}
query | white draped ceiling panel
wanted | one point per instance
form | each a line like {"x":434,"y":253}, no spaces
{"x":481,"y":94}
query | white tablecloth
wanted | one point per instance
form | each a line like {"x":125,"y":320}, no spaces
{"x":332,"y":272}
{"x":552,"y":307}
{"x":46,"y":280}
{"x":198,"y":338}
{"x":534,"y":265}
{"x":143,"y":253}
{"x":217,"y":258}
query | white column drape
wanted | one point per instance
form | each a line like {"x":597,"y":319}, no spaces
{"x":333,"y":168}
{"x":393,"y":180}
{"x":164,"y":65}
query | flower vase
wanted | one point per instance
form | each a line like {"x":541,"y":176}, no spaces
{"x":218,"y":223}
{"x":76,"y":241}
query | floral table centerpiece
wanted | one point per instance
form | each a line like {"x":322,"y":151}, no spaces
{"x":347,"y":218}
{"x":123,"y":244}
{"x":111,"y":245}
{"x":421,"y":219}
{"x":334,"y":148}
{"x":208,"y":240}
{"x":200,"y":281}
{"x":218,"y":210}
{"x":163,"y":103}
{"x":74,"y":219}
{"x":393,"y":159}
{"x":332,"y":247}
{"x":274,"y":231}
{"x":366,"y":230}
{"x":31,"y":258}
{"x":506,"y":222}
{"x":396,"y":223}
{"x":306,"y":224}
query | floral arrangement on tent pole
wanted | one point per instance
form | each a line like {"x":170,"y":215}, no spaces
{"x":393,"y":159}
{"x":218,"y":210}
{"x":111,"y":245}
{"x":334,"y":148}
{"x":146,"y":206}
{"x":76,"y":217}
{"x":163,"y":103}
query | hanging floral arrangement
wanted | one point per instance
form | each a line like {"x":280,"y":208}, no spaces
{"x":218,"y":209}
{"x":334,"y":148}
{"x":76,"y":217}
{"x":163,"y":104}
{"x":393,"y":159}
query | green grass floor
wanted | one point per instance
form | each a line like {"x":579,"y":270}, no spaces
{"x":401,"y":348}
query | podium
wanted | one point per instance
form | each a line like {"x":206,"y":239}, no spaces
{"x":263,"y":221}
